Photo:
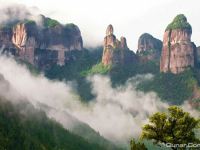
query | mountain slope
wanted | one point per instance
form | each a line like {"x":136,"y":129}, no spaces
{"x":25,"y":129}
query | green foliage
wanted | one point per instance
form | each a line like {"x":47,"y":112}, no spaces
{"x":179,"y":22}
{"x":30,"y":129}
{"x":120,"y":74}
{"x":175,"y":127}
{"x":48,"y":22}
{"x":170,"y":87}
{"x":94,"y":137}
{"x":26,"y":21}
{"x":137,"y":146}
{"x":97,"y":69}
{"x":148,"y":52}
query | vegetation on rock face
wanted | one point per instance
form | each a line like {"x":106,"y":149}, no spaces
{"x":28,"y":22}
{"x":148,"y":52}
{"x":48,"y":22}
{"x":175,"y":127}
{"x":179,"y":22}
{"x":172,"y":88}
{"x":97,"y":69}
{"x":120,"y":74}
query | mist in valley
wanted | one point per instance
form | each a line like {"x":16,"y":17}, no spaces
{"x":118,"y":113}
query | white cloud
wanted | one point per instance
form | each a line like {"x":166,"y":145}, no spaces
{"x":116,"y":113}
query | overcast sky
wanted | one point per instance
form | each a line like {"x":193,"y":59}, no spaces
{"x":130,"y":18}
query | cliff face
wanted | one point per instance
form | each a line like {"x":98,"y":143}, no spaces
{"x":5,"y":37}
{"x":6,"y":44}
{"x":64,"y":37}
{"x":178,"y":51}
{"x":198,"y":54}
{"x":26,"y":37}
{"x":149,"y":48}
{"x":147,"y":42}
{"x":115,"y":51}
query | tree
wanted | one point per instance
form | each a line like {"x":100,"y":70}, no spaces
{"x":175,"y":127}
{"x":137,"y":146}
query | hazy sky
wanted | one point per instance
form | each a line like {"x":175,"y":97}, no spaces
{"x":130,"y":18}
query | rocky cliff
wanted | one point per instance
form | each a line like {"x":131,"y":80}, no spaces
{"x":115,"y":51}
{"x":178,"y":52}
{"x":5,"y":37}
{"x":149,"y":48}
{"x":26,"y":38}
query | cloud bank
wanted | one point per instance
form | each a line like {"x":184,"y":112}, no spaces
{"x":14,"y":12}
{"x":116,"y":113}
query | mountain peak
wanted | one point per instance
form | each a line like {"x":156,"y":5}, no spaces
{"x":178,"y":51}
{"x":148,"y":42}
{"x":109,"y":30}
{"x":115,"y":51}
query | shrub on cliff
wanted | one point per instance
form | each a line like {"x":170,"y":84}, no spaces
{"x":96,"y":69}
{"x":179,"y":22}
{"x":48,"y":23}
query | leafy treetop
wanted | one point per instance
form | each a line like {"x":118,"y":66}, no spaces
{"x":175,"y":127}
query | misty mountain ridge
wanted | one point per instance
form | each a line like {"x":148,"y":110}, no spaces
{"x":89,"y":98}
